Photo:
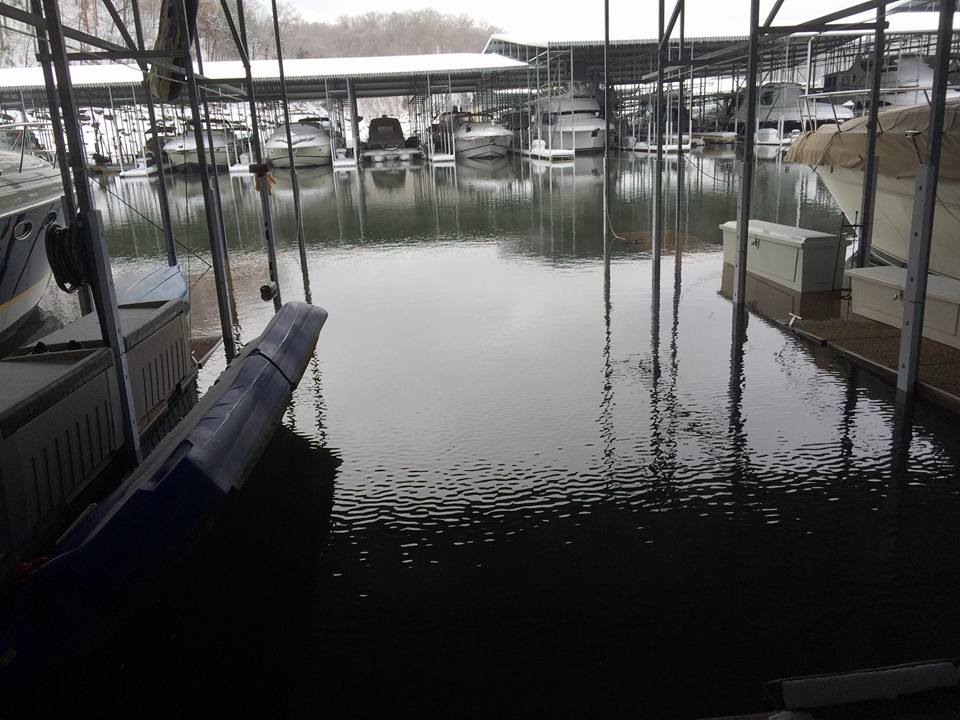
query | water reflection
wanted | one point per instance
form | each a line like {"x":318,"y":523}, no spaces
{"x":596,"y":493}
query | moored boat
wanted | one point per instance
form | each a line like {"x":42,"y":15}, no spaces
{"x":839,"y":154}
{"x":182,"y":151}
{"x":475,"y":136}
{"x":30,"y":199}
{"x":309,"y":139}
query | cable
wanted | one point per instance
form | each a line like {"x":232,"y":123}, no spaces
{"x":149,"y":220}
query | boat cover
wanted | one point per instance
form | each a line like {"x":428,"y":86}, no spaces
{"x":898,"y":153}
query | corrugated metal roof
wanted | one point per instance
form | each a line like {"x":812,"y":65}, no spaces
{"x":358,"y":68}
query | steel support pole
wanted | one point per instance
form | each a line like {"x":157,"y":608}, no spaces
{"x":69,"y":201}
{"x":924,"y":207}
{"x":294,"y":182}
{"x":165,"y":219}
{"x":256,"y":148}
{"x":104,"y":294}
{"x":746,"y":176}
{"x":214,"y":223}
{"x":354,"y":123}
{"x":606,"y":114}
{"x":658,"y":180}
{"x":868,"y":199}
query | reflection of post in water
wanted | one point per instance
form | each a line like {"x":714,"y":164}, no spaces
{"x":738,"y":441}
{"x":607,"y":430}
{"x":886,"y":607}
{"x":656,"y":441}
{"x":336,"y":200}
{"x":361,"y":204}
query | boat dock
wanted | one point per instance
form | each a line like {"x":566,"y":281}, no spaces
{"x":536,"y":280}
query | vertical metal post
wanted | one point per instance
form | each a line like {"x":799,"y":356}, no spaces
{"x":294,"y":182}
{"x":549,"y":105}
{"x":924,"y":206}
{"x":214,"y":222}
{"x":606,"y":114}
{"x":69,"y":201}
{"x":332,"y":122}
{"x":257,"y":149}
{"x":870,"y":169}
{"x":658,"y":188}
{"x":165,"y":219}
{"x":354,"y":126}
{"x":99,"y":261}
{"x":746,"y":176}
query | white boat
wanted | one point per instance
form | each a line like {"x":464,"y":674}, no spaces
{"x":182,"y":151}
{"x":779,"y":106}
{"x":838,"y":154}
{"x":904,"y":81}
{"x":569,"y":121}
{"x":310,"y":140}
{"x":475,"y":136}
{"x":30,"y":199}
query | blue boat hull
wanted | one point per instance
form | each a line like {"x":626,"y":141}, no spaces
{"x":145,"y":525}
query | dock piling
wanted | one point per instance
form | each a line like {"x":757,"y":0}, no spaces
{"x":924,"y":208}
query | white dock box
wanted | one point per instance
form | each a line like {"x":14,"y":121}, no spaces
{"x":877,"y":293}
{"x":799,"y":259}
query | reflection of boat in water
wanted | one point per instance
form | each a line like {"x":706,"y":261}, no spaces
{"x":475,"y":136}
{"x":485,"y":174}
{"x":30,"y":196}
{"x":839,"y":155}
{"x":309,"y":139}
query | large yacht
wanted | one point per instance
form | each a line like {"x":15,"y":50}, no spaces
{"x":475,"y":136}
{"x":30,"y":199}
{"x":310,"y":140}
{"x":839,"y":152}
{"x":904,"y":81}
{"x":569,"y":120}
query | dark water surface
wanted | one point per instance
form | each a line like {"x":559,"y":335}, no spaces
{"x":513,"y":485}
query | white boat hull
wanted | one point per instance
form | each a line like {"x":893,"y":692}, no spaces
{"x":584,"y":140}
{"x":303,"y":156}
{"x":893,"y":212}
{"x":180,"y":159}
{"x":483,"y":147}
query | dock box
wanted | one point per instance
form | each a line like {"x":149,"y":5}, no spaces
{"x":877,"y":293}
{"x":157,"y":339}
{"x":798,"y":259}
{"x":59,"y":426}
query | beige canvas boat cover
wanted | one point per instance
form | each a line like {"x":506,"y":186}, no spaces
{"x":898,"y":154}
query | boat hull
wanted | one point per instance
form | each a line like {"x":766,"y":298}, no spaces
{"x":26,"y":271}
{"x":893,"y":212}
{"x":306,"y":156}
{"x":484,"y":147}
{"x":180,"y":159}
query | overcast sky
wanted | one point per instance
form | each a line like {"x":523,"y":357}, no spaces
{"x":568,"y":20}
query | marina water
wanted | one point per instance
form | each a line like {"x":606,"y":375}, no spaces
{"x":517,"y":483}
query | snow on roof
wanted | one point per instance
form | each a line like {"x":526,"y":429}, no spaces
{"x":359,"y":68}
{"x":590,"y":33}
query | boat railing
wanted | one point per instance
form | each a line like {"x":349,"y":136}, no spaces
{"x":807,"y":102}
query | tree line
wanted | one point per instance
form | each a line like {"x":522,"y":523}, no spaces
{"x":374,"y":33}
